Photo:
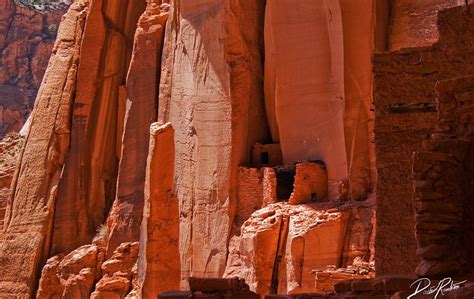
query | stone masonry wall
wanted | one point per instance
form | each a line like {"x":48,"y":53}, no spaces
{"x":405,"y":106}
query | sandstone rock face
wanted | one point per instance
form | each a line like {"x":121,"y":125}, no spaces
{"x":27,"y":37}
{"x":10,"y":150}
{"x":73,"y":275}
{"x":304,"y":84}
{"x":88,"y":184}
{"x":141,"y":110}
{"x":159,"y":268}
{"x":226,"y":147}
{"x":117,"y":271}
{"x":29,"y":215}
{"x":280,"y":246}
{"x":359,"y":25}
{"x":211,"y":93}
{"x":415,"y":22}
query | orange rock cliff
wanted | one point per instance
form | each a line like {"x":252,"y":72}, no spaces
{"x":246,"y":147}
{"x":27,"y":34}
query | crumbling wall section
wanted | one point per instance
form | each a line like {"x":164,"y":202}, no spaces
{"x":405,"y":107}
{"x":311,"y":184}
{"x":443,"y":182}
{"x":250,"y":194}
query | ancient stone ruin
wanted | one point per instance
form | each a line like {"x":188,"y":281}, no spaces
{"x":244,"y":149}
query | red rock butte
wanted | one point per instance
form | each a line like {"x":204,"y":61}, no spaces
{"x":236,"y":148}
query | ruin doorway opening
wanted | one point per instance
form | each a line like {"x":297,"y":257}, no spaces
{"x":264,"y":158}
{"x":285,"y":182}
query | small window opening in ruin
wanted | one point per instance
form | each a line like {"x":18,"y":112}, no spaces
{"x":285,"y":181}
{"x":264,"y":158}
{"x":314,"y":197}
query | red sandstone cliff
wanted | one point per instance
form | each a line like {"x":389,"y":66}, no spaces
{"x":235,"y":138}
{"x":27,"y":35}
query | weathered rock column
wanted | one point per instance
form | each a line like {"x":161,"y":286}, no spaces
{"x":359,"y":21}
{"x":88,"y":184}
{"x":141,"y":111}
{"x":158,"y":268}
{"x":28,"y":224}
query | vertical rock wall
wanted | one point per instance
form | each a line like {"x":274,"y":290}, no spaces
{"x":215,"y":105}
{"x":10,"y":150}
{"x":359,"y":20}
{"x":158,"y":268}
{"x":304,"y":82}
{"x":87,"y":187}
{"x":27,"y":37}
{"x":92,"y":170}
{"x":27,"y":236}
{"x":140,"y":111}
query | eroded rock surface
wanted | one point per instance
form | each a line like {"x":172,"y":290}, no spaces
{"x":117,"y":273}
{"x":304,"y":89}
{"x":281,"y":246}
{"x":73,"y":275}
{"x":140,"y":111}
{"x":88,"y":185}
{"x":161,"y":152}
{"x":211,"y":92}
{"x":10,"y":151}
{"x":159,"y":267}
{"x":27,"y":35}
{"x":29,"y":216}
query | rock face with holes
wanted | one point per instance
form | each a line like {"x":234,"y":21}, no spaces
{"x":27,"y":35}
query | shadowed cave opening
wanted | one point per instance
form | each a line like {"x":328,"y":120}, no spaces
{"x":285,"y":182}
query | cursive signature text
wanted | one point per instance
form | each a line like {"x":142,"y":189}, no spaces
{"x":423,"y":286}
